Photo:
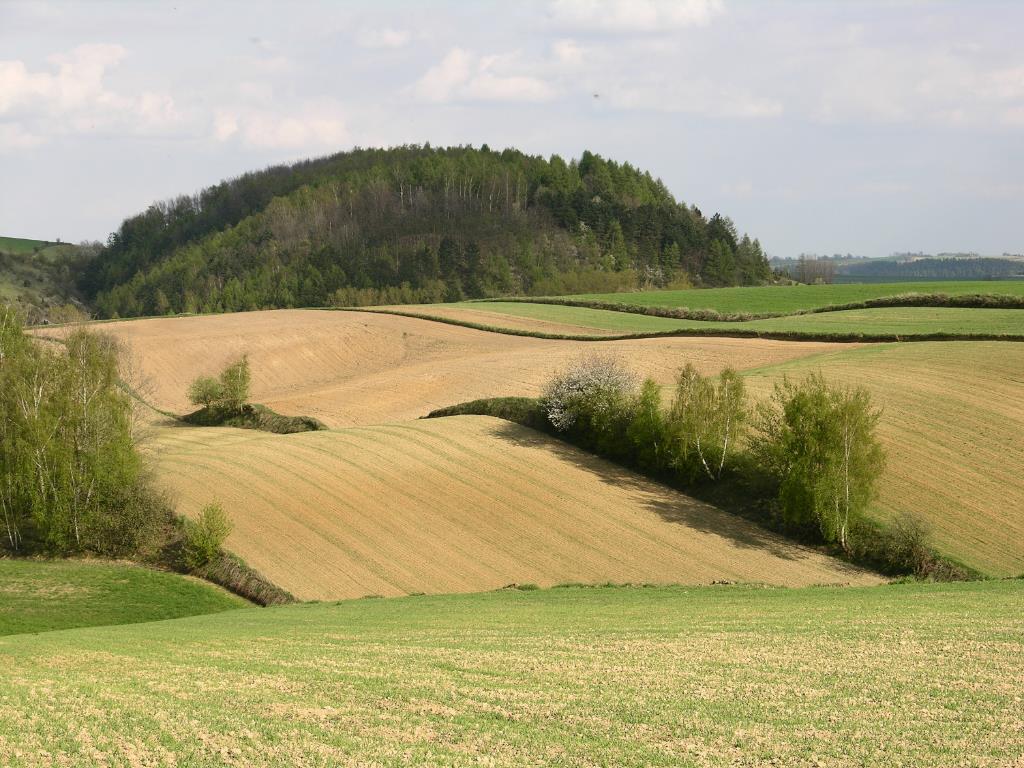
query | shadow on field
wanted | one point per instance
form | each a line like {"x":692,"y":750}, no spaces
{"x":670,"y":505}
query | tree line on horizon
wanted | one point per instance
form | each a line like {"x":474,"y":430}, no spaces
{"x":415,"y":224}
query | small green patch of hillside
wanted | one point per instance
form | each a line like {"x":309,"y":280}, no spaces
{"x":43,"y":595}
{"x":38,"y":277}
{"x":794,"y":298}
{"x":21,"y":245}
{"x":707,"y":676}
{"x":253,"y":416}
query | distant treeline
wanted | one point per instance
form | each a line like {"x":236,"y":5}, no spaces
{"x":418,"y":223}
{"x":937,"y":269}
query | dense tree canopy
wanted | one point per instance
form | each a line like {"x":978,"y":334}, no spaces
{"x":414,"y":224}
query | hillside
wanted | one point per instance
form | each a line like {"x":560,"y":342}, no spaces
{"x":356,"y":368}
{"x":463,"y":504}
{"x":38,"y":277}
{"x":414,"y":224}
{"x":912,"y":674}
{"x":952,"y":421}
{"x":45,"y":595}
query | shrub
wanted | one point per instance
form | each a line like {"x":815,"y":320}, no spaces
{"x":234,"y":381}
{"x":205,"y":535}
{"x":819,"y":441}
{"x":71,"y":479}
{"x":229,"y":392}
{"x":706,"y":420}
{"x":591,"y":398}
{"x":647,"y":433}
{"x":205,"y":392}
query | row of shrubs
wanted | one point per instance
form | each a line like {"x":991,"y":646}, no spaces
{"x":805,"y":462}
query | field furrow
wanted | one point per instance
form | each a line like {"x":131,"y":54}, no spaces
{"x":458,"y":505}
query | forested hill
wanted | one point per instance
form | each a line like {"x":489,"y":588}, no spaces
{"x":414,"y":224}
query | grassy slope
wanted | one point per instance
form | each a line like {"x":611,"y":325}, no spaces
{"x":461,"y":505}
{"x":21,"y":245}
{"x":20,"y":263}
{"x":953,"y":417}
{"x":912,"y":675}
{"x":789,"y":298}
{"x":902,"y":320}
{"x":38,"y":596}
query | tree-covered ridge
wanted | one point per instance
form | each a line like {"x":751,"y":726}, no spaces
{"x":415,"y":224}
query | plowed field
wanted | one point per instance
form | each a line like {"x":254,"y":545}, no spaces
{"x":458,"y":505}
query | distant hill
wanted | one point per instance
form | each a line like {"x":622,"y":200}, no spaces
{"x":39,"y":277}
{"x":414,"y":224}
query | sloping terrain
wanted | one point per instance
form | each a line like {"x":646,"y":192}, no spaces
{"x":355,"y":368}
{"x":458,"y":505}
{"x":953,"y":424}
{"x":45,"y":595}
{"x":792,"y":298}
{"x":576,"y":321}
{"x":910,"y":675}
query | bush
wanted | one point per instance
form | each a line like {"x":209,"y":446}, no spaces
{"x":591,"y":399}
{"x":819,"y":441}
{"x":229,"y":392}
{"x":234,"y":382}
{"x":205,"y":535}
{"x":71,"y":479}
{"x":205,"y":392}
{"x":705,"y":421}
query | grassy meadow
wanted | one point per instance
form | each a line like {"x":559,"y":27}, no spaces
{"x":44,"y":595}
{"x":901,"y":321}
{"x":911,"y":675}
{"x":22,"y":245}
{"x":793,"y":298}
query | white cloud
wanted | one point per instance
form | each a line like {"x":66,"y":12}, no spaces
{"x":385,"y":37}
{"x":14,"y":137}
{"x":464,"y":76}
{"x":568,"y":52}
{"x":633,"y":15}
{"x":73,"y":97}
{"x":311,"y":128}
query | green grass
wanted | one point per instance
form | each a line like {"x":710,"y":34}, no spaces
{"x":21,"y":245}
{"x":912,"y":675}
{"x":896,"y":320}
{"x":792,"y":298}
{"x":39,"y":596}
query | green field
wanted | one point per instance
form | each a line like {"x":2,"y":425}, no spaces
{"x":21,"y":245}
{"x":912,"y":675}
{"x":898,"y":320}
{"x":38,"y":596}
{"x":793,"y":298}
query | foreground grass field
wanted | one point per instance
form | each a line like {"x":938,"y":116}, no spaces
{"x":952,"y":421}
{"x":461,"y":504}
{"x":911,"y":675}
{"x":558,"y":319}
{"x":38,"y":596}
{"x":792,"y":298}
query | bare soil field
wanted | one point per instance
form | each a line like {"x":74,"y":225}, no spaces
{"x":953,"y":424}
{"x":458,"y":505}
{"x":358,"y":368}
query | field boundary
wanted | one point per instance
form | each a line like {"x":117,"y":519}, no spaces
{"x":739,"y":333}
{"x":937,"y":300}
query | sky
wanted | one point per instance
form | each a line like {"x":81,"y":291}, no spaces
{"x":819,"y":127}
